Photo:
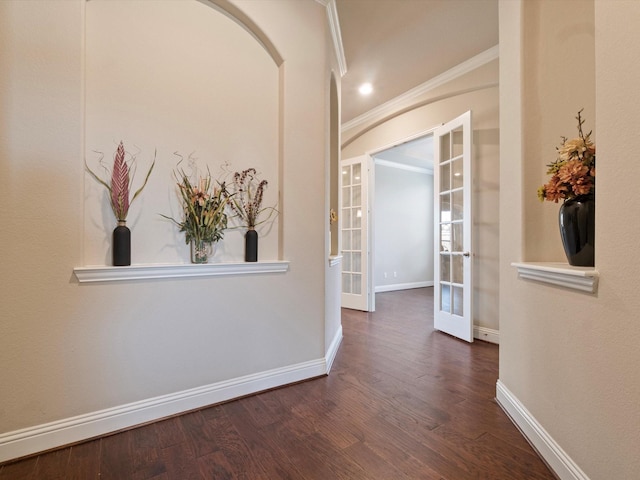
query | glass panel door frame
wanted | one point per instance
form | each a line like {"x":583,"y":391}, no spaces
{"x":355,"y":232}
{"x":453,"y":214}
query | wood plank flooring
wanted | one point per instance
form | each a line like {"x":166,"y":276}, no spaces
{"x":401,"y":402}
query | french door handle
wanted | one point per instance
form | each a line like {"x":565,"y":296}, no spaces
{"x":466,"y":254}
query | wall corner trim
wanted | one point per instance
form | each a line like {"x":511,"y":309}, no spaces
{"x":332,"y":351}
{"x":555,"y":457}
{"x":31,"y":440}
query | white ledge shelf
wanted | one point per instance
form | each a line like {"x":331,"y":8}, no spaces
{"x":584,"y":279}
{"x":145,"y":272}
{"x":335,"y":260}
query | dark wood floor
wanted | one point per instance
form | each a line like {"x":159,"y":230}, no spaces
{"x":402,"y":402}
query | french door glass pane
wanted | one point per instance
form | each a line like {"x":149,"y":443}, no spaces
{"x":457,"y":265}
{"x":346,"y":240}
{"x":458,"y":203}
{"x":346,"y":218}
{"x":357,"y":240}
{"x":445,"y":267}
{"x":445,"y":147}
{"x":356,"y":264}
{"x":445,"y":237}
{"x":346,"y":282}
{"x":445,"y":298}
{"x":457,"y":143}
{"x":445,"y":207}
{"x":457,"y":178}
{"x":457,"y":240}
{"x":356,"y":174}
{"x":346,"y":176}
{"x":445,"y":180}
{"x":356,"y":286}
{"x":458,"y":301}
{"x":356,"y":217}
{"x":346,"y":196}
{"x":346,"y":262}
{"x":356,"y":196}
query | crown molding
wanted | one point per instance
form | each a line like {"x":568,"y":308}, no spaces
{"x":401,"y":166}
{"x":336,"y":36}
{"x":401,"y":100}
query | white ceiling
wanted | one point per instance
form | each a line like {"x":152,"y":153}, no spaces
{"x":398,"y":45}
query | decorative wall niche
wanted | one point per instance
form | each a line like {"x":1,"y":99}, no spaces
{"x":181,"y":79}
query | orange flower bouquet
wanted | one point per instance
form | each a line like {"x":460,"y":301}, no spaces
{"x":573,"y":173}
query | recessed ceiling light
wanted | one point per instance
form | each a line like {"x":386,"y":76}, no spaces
{"x":365,"y":89}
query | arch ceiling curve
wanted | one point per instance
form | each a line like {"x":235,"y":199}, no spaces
{"x":233,"y":12}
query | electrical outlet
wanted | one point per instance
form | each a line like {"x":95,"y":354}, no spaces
{"x":395,"y":274}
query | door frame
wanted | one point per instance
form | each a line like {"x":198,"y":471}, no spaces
{"x":371,"y":198}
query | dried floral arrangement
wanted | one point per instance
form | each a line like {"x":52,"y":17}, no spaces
{"x":122,"y":174}
{"x":573,"y":173}
{"x":203,"y":203}
{"x":245,"y":198}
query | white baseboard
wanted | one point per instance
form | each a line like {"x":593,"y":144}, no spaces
{"x":486,"y":334}
{"x":402,"y":286}
{"x":333,"y":349}
{"x":557,"y":459}
{"x":28,"y":441}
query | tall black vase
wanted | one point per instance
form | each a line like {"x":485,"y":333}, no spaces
{"x":121,"y":245}
{"x":577,"y":220}
{"x":251,"y":246}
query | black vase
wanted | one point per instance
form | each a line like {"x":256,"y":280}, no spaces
{"x":251,"y":246}
{"x":577,"y":220}
{"x":121,"y":245}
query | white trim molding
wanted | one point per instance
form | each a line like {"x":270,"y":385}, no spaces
{"x":332,"y":351}
{"x":335,"y":260}
{"x":403,"y":286}
{"x":451,"y":74}
{"x":555,"y":457}
{"x":144,"y":272}
{"x":584,"y":279}
{"x":486,"y":334}
{"x":28,"y":441}
{"x":336,"y":34}
{"x":401,"y":166}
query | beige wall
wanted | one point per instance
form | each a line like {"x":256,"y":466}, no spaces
{"x":476,"y":91}
{"x":571,"y":358}
{"x":70,"y":349}
{"x":187,"y":94}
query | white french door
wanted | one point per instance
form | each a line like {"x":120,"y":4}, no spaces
{"x":453,"y":259}
{"x":354,"y":224}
